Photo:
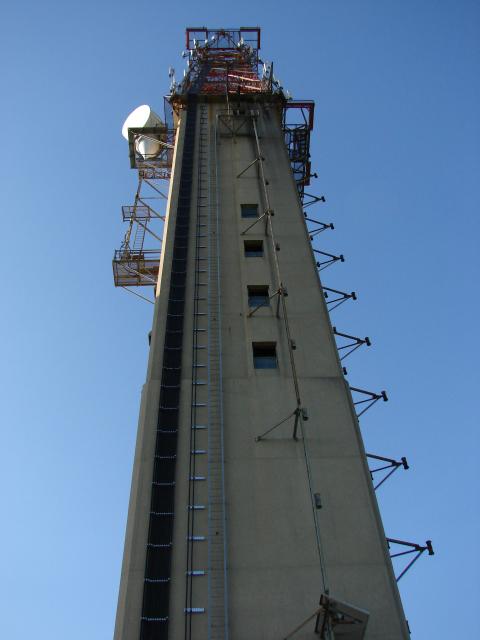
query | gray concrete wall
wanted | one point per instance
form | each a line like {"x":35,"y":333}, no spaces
{"x":129,"y":608}
{"x":274,"y":574}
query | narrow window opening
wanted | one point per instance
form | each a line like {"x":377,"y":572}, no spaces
{"x":249,"y":210}
{"x":253,"y":248}
{"x":264,"y":355}
{"x":258,"y":296}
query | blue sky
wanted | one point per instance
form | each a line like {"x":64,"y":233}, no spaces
{"x":396,"y":148}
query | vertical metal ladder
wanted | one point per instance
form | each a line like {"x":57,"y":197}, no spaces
{"x":197,"y":495}
{"x":139,"y":238}
{"x":206,"y":585}
{"x":217,"y":562}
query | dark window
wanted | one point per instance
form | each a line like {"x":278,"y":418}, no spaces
{"x":249,"y":210}
{"x":264,"y":355}
{"x":253,"y":248}
{"x":258,"y":296}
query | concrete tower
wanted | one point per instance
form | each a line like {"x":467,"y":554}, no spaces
{"x":252,"y":512}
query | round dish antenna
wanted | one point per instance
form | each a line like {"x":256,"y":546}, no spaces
{"x":143,"y":116}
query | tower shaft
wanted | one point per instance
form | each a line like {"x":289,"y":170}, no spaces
{"x":251,"y":495}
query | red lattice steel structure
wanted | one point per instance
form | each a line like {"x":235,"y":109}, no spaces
{"x":298,"y":117}
{"x":223,"y":38}
{"x":224,"y":61}
{"x":135,"y":268}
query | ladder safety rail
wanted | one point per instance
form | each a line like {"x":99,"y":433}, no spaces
{"x":197,"y":405}
{"x":218,"y":621}
{"x":206,"y":490}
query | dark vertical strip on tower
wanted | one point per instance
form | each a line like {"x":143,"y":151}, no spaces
{"x":156,"y":592}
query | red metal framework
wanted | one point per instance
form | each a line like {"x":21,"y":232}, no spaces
{"x":158,"y":164}
{"x":223,"y":38}
{"x":224,"y":61}
{"x":298,"y":118}
{"x":299,"y":113}
{"x":132,"y":268}
{"x":231,"y":76}
{"x":135,"y":265}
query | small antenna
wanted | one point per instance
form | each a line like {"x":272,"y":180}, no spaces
{"x":171,"y":75}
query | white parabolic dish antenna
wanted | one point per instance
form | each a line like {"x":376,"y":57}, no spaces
{"x":142,"y":117}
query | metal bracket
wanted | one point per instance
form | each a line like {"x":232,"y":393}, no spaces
{"x":248,"y":167}
{"x":267,"y":212}
{"x":343,"y":297}
{"x":300,"y":413}
{"x":148,"y":180}
{"x":418,"y":549}
{"x":321,"y":226}
{"x":327,"y":263}
{"x":392,"y":465}
{"x":233,"y":123}
{"x":371,"y":399}
{"x":282,"y":292}
{"x":139,"y":295}
{"x":250,"y":314}
{"x":312,"y":199}
{"x":353,"y":346}
{"x":341,"y":618}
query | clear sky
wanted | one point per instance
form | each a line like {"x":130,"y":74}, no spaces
{"x":396,"y":148}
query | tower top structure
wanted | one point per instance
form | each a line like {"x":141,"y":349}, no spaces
{"x":225,"y":62}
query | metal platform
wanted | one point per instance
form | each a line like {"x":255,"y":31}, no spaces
{"x":161,"y":162}
{"x":135,"y":268}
